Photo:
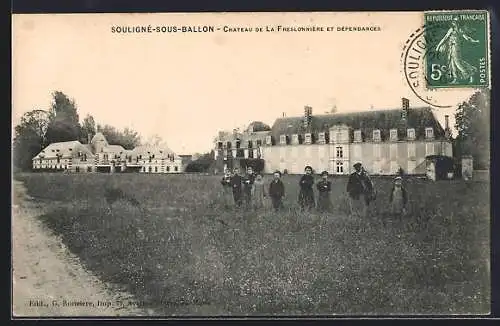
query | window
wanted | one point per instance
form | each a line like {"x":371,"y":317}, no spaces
{"x":339,"y":152}
{"x":295,"y":138}
{"x":130,"y":159}
{"x":259,"y":142}
{"x":58,"y":159}
{"x":394,"y":134}
{"x":429,"y":149}
{"x":411,"y":150}
{"x":394,"y":151}
{"x":283,"y":139}
{"x":357,"y":152}
{"x":412,"y":165}
{"x":429,"y":133}
{"x":228,"y":145}
{"x":150,"y":169}
{"x":77,"y":169}
{"x":340,"y":167}
{"x":89,"y":169}
{"x":156,"y":169}
{"x":176,"y":168}
{"x":410,"y":133}
{"x":250,"y":144}
{"x":376,"y":151}
{"x":394,"y":167}
{"x":269,"y":140}
{"x":376,"y":135}
{"x":321,"y":138}
{"x":168,"y":168}
{"x":307,"y":138}
{"x":357,"y":135}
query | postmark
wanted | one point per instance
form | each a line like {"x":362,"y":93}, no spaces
{"x":432,"y":64}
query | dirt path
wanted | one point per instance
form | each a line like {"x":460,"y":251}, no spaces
{"x":47,"y":279}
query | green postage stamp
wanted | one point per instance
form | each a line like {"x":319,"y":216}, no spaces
{"x":457,"y":53}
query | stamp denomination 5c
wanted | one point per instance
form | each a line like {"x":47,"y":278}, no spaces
{"x":459,"y":57}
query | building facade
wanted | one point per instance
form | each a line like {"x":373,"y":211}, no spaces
{"x":383,"y":140}
{"x":100,"y":156}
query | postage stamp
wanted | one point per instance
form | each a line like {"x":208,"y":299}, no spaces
{"x":460,"y":56}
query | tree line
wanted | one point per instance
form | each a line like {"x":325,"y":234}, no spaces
{"x":39,"y":128}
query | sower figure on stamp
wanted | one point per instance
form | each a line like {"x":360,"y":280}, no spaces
{"x":398,"y":198}
{"x":248,"y":181}
{"x":258,"y":192}
{"x":277,"y":191}
{"x":226,"y":187}
{"x":324,"y":188}
{"x":236,"y":181}
{"x":306,"y":194}
{"x":360,"y":190}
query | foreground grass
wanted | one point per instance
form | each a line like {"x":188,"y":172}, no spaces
{"x":189,"y":255}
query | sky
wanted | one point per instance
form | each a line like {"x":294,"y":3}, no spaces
{"x":185,"y":87}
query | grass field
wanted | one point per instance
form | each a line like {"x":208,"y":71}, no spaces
{"x":181,"y":259}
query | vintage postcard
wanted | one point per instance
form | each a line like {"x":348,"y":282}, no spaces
{"x":251,"y":164}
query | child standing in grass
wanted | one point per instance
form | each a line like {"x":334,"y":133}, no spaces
{"x":324,"y":188}
{"x":236,"y":182}
{"x":306,"y":194}
{"x":277,"y":191}
{"x":258,"y":192}
{"x":226,"y":186}
{"x":398,"y":197}
{"x":248,"y":181}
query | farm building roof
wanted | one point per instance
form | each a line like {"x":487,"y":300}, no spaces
{"x":158,"y":151}
{"x":64,"y":149}
{"x":99,"y":136}
{"x":366,"y":121}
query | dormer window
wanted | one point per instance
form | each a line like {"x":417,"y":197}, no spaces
{"x":357,"y":135}
{"x":282,"y":139}
{"x":321,"y":138}
{"x":376,"y":135}
{"x":269,"y":140}
{"x":393,"y":134}
{"x":295,"y":138}
{"x":308,"y":138}
{"x":429,"y":133}
{"x":410,"y":133}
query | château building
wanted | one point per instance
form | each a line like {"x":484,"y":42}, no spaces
{"x":100,"y":156}
{"x":383,"y":140}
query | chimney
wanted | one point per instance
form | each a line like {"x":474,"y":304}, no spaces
{"x":405,"y":103}
{"x":446,"y":122}
{"x":307,"y":116}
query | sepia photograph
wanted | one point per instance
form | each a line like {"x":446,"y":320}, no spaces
{"x":251,"y":164}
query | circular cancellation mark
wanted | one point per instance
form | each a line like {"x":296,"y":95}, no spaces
{"x":420,"y":44}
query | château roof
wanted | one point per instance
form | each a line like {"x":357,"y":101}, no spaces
{"x":64,"y":149}
{"x":366,"y":121}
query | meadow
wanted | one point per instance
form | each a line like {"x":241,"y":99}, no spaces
{"x":188,"y":254}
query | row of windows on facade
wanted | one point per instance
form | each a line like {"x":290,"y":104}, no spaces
{"x":240,"y":153}
{"x":324,"y":138}
{"x":150,"y":169}
{"x":339,"y":136}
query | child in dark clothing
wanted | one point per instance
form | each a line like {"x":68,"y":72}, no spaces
{"x":236,"y":181}
{"x":248,"y":181}
{"x":277,"y":191}
{"x":306,"y":194}
{"x":324,"y":187}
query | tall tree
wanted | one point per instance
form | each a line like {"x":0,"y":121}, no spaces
{"x":64,"y":122}
{"x":88,"y":128}
{"x":29,"y":137}
{"x":473,"y":125}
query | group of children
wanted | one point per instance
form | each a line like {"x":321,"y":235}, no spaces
{"x":249,"y":190}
